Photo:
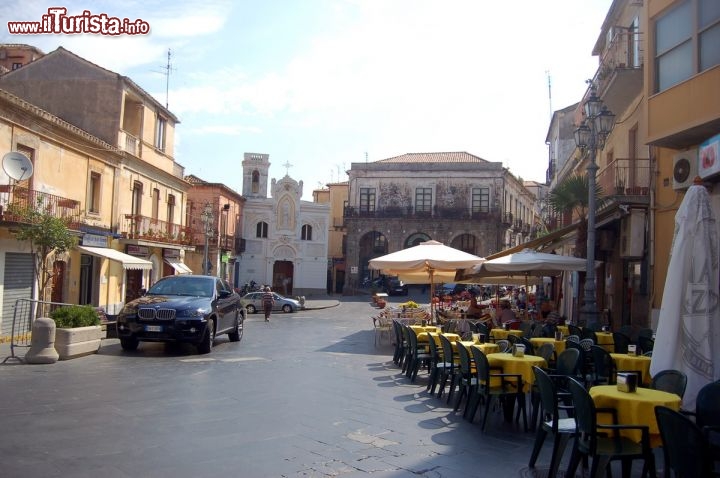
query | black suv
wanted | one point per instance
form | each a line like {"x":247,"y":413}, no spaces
{"x":394,"y":286}
{"x":183,"y":308}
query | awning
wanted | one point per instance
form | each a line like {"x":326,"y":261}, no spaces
{"x":127,"y":261}
{"x":543,"y":243}
{"x":179,"y":266}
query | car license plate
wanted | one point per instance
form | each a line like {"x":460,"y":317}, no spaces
{"x":153,"y":328}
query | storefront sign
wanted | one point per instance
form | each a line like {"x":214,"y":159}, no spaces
{"x":138,"y":251}
{"x":93,"y":240}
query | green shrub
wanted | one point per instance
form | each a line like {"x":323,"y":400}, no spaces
{"x":71,"y":316}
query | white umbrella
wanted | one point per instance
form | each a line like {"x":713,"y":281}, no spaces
{"x":688,"y":333}
{"x":421,"y":263}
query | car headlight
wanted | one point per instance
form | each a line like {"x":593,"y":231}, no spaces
{"x":191,"y":313}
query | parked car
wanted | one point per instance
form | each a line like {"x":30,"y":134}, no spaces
{"x":184,"y":308}
{"x":252,"y":303}
{"x":394,"y":286}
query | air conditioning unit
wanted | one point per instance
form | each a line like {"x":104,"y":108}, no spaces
{"x":685,"y":168}
{"x":632,"y":234}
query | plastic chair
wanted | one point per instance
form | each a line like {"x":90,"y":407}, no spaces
{"x":603,"y":367}
{"x":566,"y":365}
{"x":546,"y":351}
{"x":503,"y":345}
{"x":574,"y":330}
{"x":510,"y":388}
{"x":529,"y":347}
{"x":603,"y":442}
{"x":418,"y":356}
{"x":685,"y":447}
{"x":562,"y":429}
{"x":381,"y":327}
{"x":707,"y":415}
{"x":451,"y":358}
{"x":646,"y":344}
{"x":673,"y":381}
{"x":399,"y":353}
{"x":465,"y":378}
{"x":573,"y":338}
{"x":438,"y":367}
{"x":621,"y":342}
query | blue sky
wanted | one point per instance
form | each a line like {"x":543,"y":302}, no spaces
{"x":320,"y":84}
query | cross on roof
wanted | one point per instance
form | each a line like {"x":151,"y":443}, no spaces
{"x":287,"y":167}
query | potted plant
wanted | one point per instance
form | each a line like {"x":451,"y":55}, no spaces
{"x":78,"y":331}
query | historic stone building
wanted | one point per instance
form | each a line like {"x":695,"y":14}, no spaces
{"x":456,"y":198}
{"x":286,"y":239}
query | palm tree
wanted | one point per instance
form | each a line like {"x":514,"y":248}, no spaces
{"x":570,"y":196}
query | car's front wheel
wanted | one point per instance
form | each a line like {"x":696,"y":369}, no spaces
{"x":236,"y":334}
{"x":251,"y":309}
{"x":129,"y":343}
{"x":206,"y":343}
{"x":287,"y":308}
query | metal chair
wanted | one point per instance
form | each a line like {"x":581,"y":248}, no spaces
{"x":621,"y":342}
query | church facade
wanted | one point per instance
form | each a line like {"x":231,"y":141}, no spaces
{"x":286,"y":239}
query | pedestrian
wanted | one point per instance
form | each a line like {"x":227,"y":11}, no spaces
{"x":268,"y":302}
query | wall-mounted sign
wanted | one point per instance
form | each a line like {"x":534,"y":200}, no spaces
{"x":139,"y":251}
{"x":93,"y":240}
{"x":708,"y":159}
{"x":171,"y":254}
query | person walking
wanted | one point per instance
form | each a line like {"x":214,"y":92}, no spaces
{"x":268,"y":302}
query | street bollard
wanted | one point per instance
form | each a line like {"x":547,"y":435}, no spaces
{"x":42,"y":343}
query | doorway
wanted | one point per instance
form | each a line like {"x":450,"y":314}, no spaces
{"x":283,"y":277}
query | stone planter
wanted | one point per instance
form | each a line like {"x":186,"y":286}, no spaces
{"x":72,"y":343}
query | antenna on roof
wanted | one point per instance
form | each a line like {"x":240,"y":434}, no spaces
{"x":166,"y":71}
{"x":547,"y":72}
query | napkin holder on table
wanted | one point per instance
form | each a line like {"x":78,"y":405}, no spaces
{"x":518,"y":350}
{"x":627,"y":382}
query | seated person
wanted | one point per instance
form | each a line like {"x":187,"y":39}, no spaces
{"x":506,"y":314}
{"x":473,"y":310}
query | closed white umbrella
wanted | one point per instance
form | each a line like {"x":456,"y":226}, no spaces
{"x":688,"y":332}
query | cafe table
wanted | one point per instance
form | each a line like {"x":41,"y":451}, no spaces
{"x":424,"y":328}
{"x":517,"y":365}
{"x":538,"y":341}
{"x":606,"y":341}
{"x":500,"y":334}
{"x":634,"y":408}
{"x":424,"y":337}
{"x":564,"y":329}
{"x":625,"y":362}
{"x":486,"y":348}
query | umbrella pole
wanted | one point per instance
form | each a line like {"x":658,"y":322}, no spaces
{"x":432,"y":294}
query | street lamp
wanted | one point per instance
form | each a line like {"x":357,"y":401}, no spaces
{"x":590,"y":137}
{"x":207,"y":218}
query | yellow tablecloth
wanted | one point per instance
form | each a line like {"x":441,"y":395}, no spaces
{"x":499,"y":334}
{"x":630,"y":362}
{"x":564,"y":329}
{"x":606,"y":341}
{"x":538,"y":341}
{"x":637,"y":408}
{"x":518,"y":365}
{"x":423,"y":328}
{"x":423,"y":337}
{"x":487,"y":348}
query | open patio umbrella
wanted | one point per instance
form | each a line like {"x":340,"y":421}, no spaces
{"x":526,"y":263}
{"x":688,"y":331}
{"x":422,"y":264}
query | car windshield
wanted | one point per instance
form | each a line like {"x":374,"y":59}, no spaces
{"x":179,"y":285}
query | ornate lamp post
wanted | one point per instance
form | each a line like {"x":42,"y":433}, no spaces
{"x":590,"y":137}
{"x":207,"y":218}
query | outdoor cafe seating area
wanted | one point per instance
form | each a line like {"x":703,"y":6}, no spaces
{"x":590,"y":390}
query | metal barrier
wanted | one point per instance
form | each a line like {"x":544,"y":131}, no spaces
{"x":25,"y":312}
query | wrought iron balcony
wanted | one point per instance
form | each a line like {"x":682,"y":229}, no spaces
{"x":143,"y":227}
{"x":625,"y":177}
{"x":620,"y":75}
{"x":16,"y":202}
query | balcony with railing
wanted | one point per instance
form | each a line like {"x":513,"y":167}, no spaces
{"x":18,"y":203}
{"x":129,"y":143}
{"x":147,"y":228}
{"x":619,"y":77}
{"x":409,"y":212}
{"x":626,"y":177}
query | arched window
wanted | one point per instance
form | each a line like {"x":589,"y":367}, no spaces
{"x":261,"y":230}
{"x":306,"y":234}
{"x":256,"y":183}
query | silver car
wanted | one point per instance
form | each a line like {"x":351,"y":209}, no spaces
{"x":252,"y":302}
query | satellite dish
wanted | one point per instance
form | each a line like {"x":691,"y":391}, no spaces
{"x":17,"y":166}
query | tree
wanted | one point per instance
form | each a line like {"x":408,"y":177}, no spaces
{"x":47,"y":234}
{"x":570,"y":196}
